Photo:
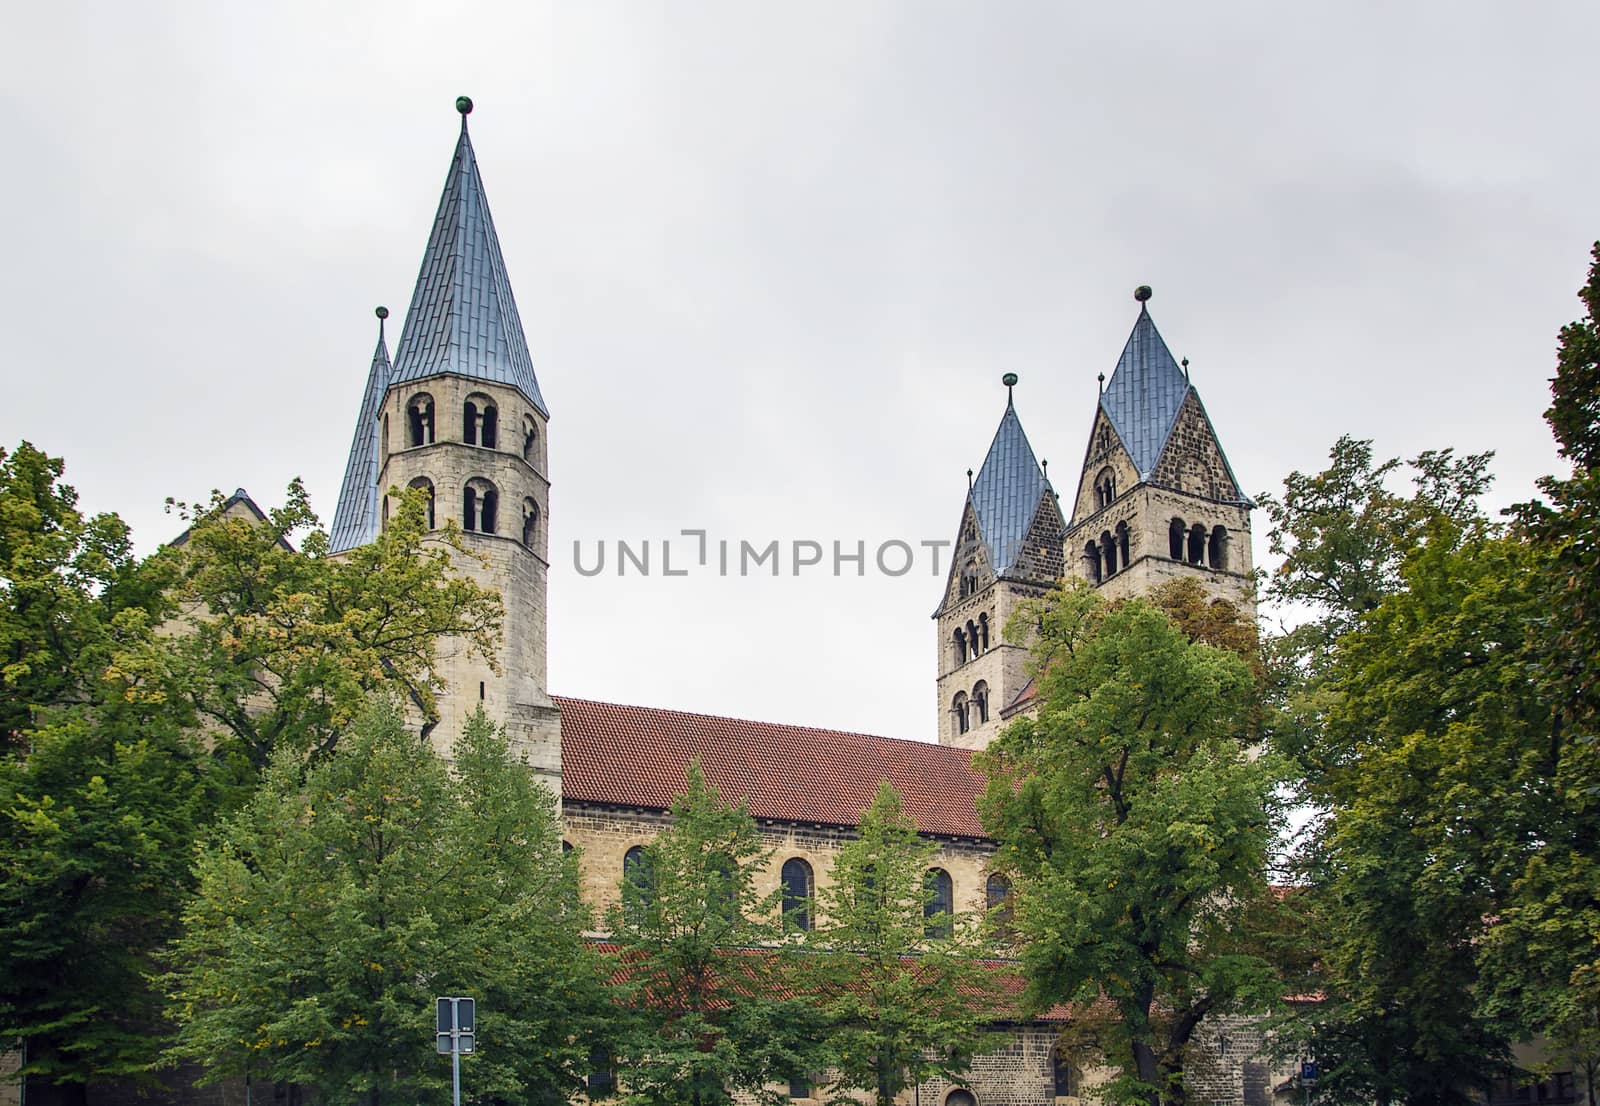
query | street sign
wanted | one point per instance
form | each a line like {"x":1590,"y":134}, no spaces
{"x":1308,"y":1071}
{"x":455,"y":1033}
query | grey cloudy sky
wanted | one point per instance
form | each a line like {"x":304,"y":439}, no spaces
{"x":772,"y":261}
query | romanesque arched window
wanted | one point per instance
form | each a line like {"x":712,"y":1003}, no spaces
{"x":480,"y":503}
{"x":961,"y":1096}
{"x":1175,"y":534}
{"x":1197,"y":544}
{"x":959,"y":706}
{"x":1091,"y":563}
{"x":960,"y":638}
{"x":530,"y":440}
{"x":1217,"y":548}
{"x":423,"y":484}
{"x":798,"y":890}
{"x":383,"y":438}
{"x":1105,"y":488}
{"x":980,"y":702}
{"x":1063,"y":1074}
{"x":1122,"y":544}
{"x":479,"y":421}
{"x":638,"y":884}
{"x":530,"y":524}
{"x":997,"y":897}
{"x":419,"y":420}
{"x":969,"y":579}
{"x":938,"y":911}
{"x":983,"y":631}
{"x":1108,"y":552}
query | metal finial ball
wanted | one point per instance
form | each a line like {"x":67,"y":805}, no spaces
{"x":464,"y":105}
{"x":382,"y":312}
{"x":1142,"y":293}
{"x":1101,"y":378}
{"x":1009,"y":380}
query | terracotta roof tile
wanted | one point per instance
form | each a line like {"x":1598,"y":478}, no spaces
{"x":636,"y":756}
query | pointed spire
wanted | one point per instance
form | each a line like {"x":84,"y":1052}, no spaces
{"x":463,"y":318}
{"x":1007,"y":491}
{"x":1146,"y":390}
{"x":355,"y":519}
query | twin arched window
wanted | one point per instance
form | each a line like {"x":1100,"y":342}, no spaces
{"x":419,"y":420}
{"x":938,"y":911}
{"x":1105,"y":488}
{"x":969,"y":579}
{"x":1194,"y":545}
{"x":480,"y":421}
{"x":798,"y":891}
{"x":480,"y":503}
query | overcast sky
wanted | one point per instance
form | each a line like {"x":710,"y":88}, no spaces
{"x":773,"y":259}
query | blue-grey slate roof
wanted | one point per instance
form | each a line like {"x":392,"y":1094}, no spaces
{"x":1144,"y":394}
{"x":355,"y":519}
{"x":463,"y":318}
{"x":1006,"y":493}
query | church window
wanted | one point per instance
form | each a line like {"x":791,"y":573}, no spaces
{"x":383,"y":438}
{"x":997,"y":897}
{"x":1108,"y":552}
{"x":972,"y":639}
{"x":961,"y":646}
{"x":799,"y":1086}
{"x":1091,"y":562}
{"x":939,"y":907}
{"x":530,"y":440}
{"x":479,"y":421}
{"x":1122,"y":543}
{"x":602,"y":1079}
{"x":980,"y":702}
{"x":983,"y":631}
{"x":530,"y":524}
{"x":1175,"y":534}
{"x":961,"y":1097}
{"x":1063,"y":1075}
{"x":638,"y":884}
{"x":960,"y":709}
{"x":480,"y":502}
{"x":384,"y":525}
{"x":1197,"y":544}
{"x":969,"y":579}
{"x":426,"y":487}
{"x":419,"y":420}
{"x":797,"y":893}
{"x":1105,"y":488}
{"x":1217,"y":554}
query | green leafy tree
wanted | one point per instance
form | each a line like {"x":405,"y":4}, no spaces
{"x":716,"y":1010}
{"x":904,"y":1000}
{"x":281,"y":646}
{"x":348,"y":894}
{"x":1139,"y":829}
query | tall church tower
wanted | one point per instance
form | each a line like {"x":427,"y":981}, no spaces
{"x":459,"y":414}
{"x":1008,"y":549}
{"x":1157,"y":498}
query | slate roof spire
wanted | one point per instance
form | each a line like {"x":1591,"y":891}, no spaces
{"x":1008,"y":488}
{"x":355,"y":519}
{"x":463,"y":318}
{"x":1146,"y":390}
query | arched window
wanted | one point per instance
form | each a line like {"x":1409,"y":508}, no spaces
{"x":530,"y":524}
{"x":384,"y":524}
{"x":479,"y":421}
{"x":1105,"y":488}
{"x":419,"y":420}
{"x":961,"y":1097}
{"x":997,"y":897}
{"x":1175,"y":534}
{"x":1197,"y":544}
{"x":983,"y":631}
{"x":969,"y":579}
{"x":797,"y":892}
{"x":1063,"y":1074}
{"x":638,"y":884}
{"x":480,"y":502}
{"x":961,"y":646}
{"x":426,"y":486}
{"x":1122,"y":543}
{"x":530,"y":440}
{"x":1091,"y":562}
{"x":939,"y":909}
{"x":972,"y":638}
{"x":1217,"y":553}
{"x":1108,"y":552}
{"x":960,"y":708}
{"x":383,"y":437}
{"x":980,"y":702}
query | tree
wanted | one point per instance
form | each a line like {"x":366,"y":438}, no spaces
{"x":282,"y":647}
{"x":1138,"y":826}
{"x":348,"y":894}
{"x":717,"y":1014}
{"x":904,"y":1001}
{"x":96,"y":825}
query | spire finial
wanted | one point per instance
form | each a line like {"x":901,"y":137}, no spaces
{"x":1010,"y":381}
{"x":382,"y":313}
{"x":464,"y":106}
{"x":1045,"y":465}
{"x":1142,"y":293}
{"x":969,"y":481}
{"x":1102,"y":379}
{"x":1186,"y":369}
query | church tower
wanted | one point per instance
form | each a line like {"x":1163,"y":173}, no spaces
{"x":1008,"y":549}
{"x":1157,"y":498}
{"x":459,"y":414}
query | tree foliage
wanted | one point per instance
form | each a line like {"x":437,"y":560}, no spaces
{"x":281,"y":646}
{"x":904,"y":1000}
{"x":1138,"y":827}
{"x":348,"y":894}
{"x":701,"y":967}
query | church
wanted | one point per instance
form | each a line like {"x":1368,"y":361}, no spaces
{"x":457,"y":412}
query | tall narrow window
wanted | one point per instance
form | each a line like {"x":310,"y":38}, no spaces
{"x":1091,"y":563}
{"x":972,"y":638}
{"x":1217,"y":551}
{"x":530,"y":524}
{"x":419,"y":420}
{"x":980,"y":702}
{"x":983,"y":631}
{"x":469,"y":423}
{"x":1122,"y":543}
{"x":530,"y":440}
{"x":960,"y":709}
{"x":638,"y":885}
{"x":489,"y":427}
{"x":961,"y":646}
{"x":797,"y":894}
{"x":425,"y":485}
{"x":602,"y":1079}
{"x":1108,"y":552}
{"x":939,"y":909}
{"x":1197,"y":544}
{"x":997,"y":897}
{"x":469,"y":508}
{"x":1175,"y":534}
{"x":1063,"y":1075}
{"x":383,"y":438}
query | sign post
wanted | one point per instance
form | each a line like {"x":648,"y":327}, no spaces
{"x":455,"y":1032}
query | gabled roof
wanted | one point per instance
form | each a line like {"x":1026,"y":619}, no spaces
{"x":636,"y":756}
{"x":463,"y":318}
{"x":355,"y":519}
{"x":1006,"y":492}
{"x":1144,"y":394}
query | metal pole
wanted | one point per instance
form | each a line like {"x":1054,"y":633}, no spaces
{"x":455,"y":1073}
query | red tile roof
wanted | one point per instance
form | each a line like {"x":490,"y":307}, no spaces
{"x":636,"y":756}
